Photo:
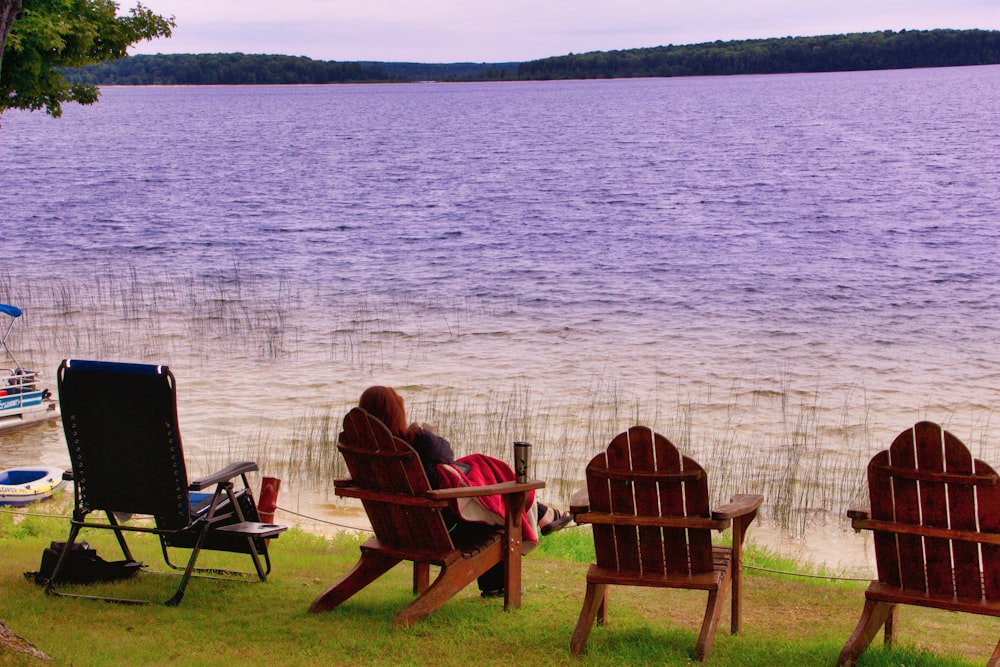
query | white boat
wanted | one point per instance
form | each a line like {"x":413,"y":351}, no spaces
{"x":23,"y":400}
{"x":23,"y":486}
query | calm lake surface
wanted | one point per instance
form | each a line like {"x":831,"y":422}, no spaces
{"x":779,"y":273}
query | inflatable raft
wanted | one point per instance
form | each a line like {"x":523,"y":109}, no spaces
{"x":23,"y":486}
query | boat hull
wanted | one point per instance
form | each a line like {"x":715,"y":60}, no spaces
{"x":23,"y":486}
{"x":18,"y":410}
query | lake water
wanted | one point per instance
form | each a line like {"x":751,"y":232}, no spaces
{"x":779,"y":273}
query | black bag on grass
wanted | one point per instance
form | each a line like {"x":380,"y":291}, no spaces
{"x":82,"y":566}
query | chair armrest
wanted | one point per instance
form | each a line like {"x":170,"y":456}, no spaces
{"x":859,"y":513}
{"x":502,"y":489}
{"x":739,"y":505}
{"x":579,"y":502}
{"x":224,"y":475}
{"x":401,"y":499}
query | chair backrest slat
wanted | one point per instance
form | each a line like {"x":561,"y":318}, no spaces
{"x":988,"y":505}
{"x":675,"y":540}
{"x":120,"y":422}
{"x":623,"y":502}
{"x":647,"y":502}
{"x":599,"y":494}
{"x":929,"y":452}
{"x":881,"y":501}
{"x":961,"y":498}
{"x":378,"y":461}
{"x":906,"y":508}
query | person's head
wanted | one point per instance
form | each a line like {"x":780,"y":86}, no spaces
{"x":387,"y":406}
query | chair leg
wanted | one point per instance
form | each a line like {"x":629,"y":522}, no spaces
{"x":713,"y":612}
{"x":994,"y":660}
{"x":891,"y":623}
{"x":179,"y":594}
{"x":873,"y":617}
{"x":421,"y":577}
{"x":594,"y":602}
{"x":113,"y":520}
{"x":50,"y":587}
{"x":370,"y":567}
{"x":228,"y":487}
{"x":450,"y":580}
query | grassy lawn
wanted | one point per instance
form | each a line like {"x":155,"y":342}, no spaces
{"x":787,"y":620}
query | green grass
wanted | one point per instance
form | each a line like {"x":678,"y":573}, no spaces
{"x":787,"y":620}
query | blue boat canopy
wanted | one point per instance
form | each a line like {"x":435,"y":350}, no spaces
{"x":13,"y":311}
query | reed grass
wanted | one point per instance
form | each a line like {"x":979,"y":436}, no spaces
{"x":758,"y":435}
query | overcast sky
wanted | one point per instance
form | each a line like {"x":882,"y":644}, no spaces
{"x":444,"y":31}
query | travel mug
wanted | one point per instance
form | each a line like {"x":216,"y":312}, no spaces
{"x":522,"y":457}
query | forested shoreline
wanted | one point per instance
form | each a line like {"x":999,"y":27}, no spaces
{"x":856,"y":51}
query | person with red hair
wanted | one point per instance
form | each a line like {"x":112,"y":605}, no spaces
{"x":385,"y":404}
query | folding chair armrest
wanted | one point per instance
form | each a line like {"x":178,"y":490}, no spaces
{"x":740,"y":505}
{"x":502,"y":489}
{"x":224,"y":475}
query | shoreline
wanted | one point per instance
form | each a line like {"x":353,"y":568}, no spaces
{"x":828,"y":549}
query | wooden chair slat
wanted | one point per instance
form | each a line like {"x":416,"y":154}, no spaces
{"x":623,"y":503}
{"x":666,"y":522}
{"x":934,"y":510}
{"x":988,"y":503}
{"x":647,"y":502}
{"x":906,"y":509}
{"x":919,"y":531}
{"x":949,"y":477}
{"x":696,"y":502}
{"x":649,"y":475}
{"x":676,"y":547}
{"x":599,"y":494}
{"x":880,"y":495}
{"x":964,"y":555}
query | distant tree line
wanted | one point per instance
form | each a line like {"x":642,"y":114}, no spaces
{"x":856,"y":51}
{"x":831,"y":53}
{"x":241,"y":69}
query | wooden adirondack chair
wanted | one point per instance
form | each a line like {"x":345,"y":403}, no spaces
{"x":406,"y":515}
{"x":935,"y":515}
{"x":652,"y":527}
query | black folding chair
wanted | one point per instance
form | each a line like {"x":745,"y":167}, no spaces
{"x":120,"y":422}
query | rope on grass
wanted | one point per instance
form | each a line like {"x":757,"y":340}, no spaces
{"x":65,"y":517}
{"x":803,"y":574}
{"x":40,"y":514}
{"x":318,"y":520}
